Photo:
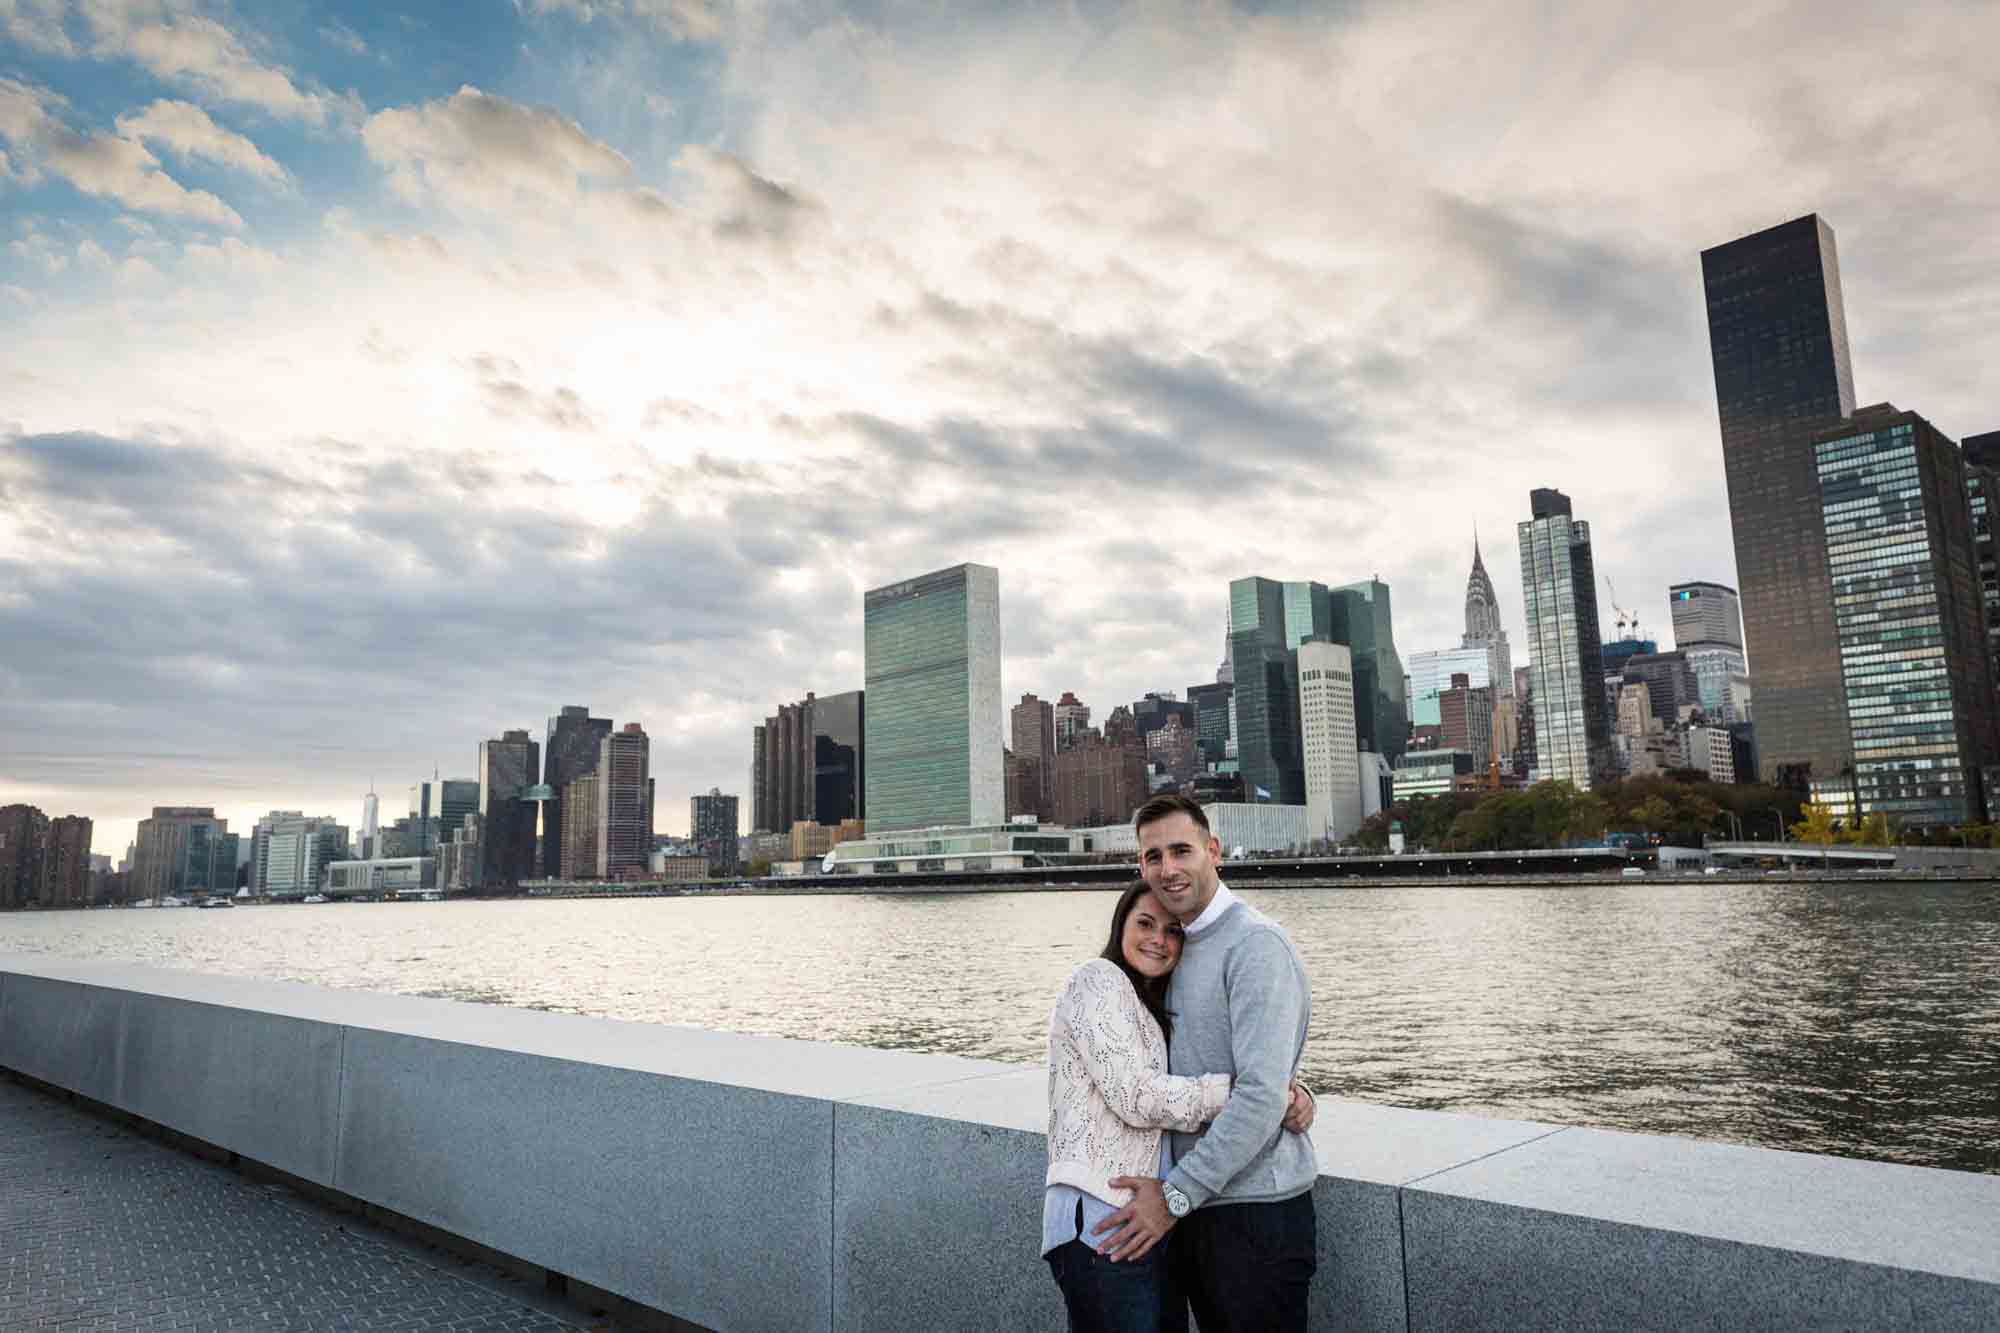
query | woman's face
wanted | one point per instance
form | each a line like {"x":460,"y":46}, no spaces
{"x":1151,"y":941}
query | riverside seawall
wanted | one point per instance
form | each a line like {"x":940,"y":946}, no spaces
{"x":744,"y":1182}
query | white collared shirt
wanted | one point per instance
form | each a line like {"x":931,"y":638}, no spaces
{"x":1211,"y":914}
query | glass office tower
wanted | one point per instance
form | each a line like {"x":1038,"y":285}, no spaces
{"x":1900,"y":553}
{"x":1777,"y":334}
{"x":1363,"y":620}
{"x":1559,"y":584}
{"x":934,"y":707}
{"x":1267,"y":688}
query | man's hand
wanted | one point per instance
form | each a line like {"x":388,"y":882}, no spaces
{"x":1139,"y":1225}
{"x":1301,"y":1110}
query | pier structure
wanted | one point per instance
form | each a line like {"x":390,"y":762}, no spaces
{"x":742,"y":1182}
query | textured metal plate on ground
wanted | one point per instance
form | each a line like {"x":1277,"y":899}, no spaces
{"x":101,"y":1228}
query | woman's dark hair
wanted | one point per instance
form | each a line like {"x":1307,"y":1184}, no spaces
{"x":1152,"y":990}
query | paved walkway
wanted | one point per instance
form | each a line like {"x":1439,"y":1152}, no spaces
{"x":102,"y":1228}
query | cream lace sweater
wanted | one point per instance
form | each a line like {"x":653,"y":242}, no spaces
{"x":1109,"y":1091}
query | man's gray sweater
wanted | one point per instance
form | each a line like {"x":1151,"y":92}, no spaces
{"x":1241,"y":1002}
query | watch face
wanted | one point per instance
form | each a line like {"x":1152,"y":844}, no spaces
{"x":1177,"y":1202}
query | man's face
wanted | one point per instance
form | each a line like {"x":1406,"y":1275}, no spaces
{"x":1178,"y":863}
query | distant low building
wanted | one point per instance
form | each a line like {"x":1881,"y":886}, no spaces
{"x":1259,"y":827}
{"x":404,"y":874}
{"x":1431,"y":772}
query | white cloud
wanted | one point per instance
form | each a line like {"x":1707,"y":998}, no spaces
{"x":104,"y":165}
{"x":688,"y":20}
{"x":203,"y":55}
{"x":187,"y":129}
{"x":115,"y":168}
{"x":37,"y":25}
{"x":338,"y":34}
{"x":478,"y":150}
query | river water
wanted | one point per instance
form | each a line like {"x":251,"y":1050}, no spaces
{"x":1855,"y":1019}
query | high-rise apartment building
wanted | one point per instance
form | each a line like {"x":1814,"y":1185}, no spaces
{"x":1175,"y":750}
{"x":183,"y":850}
{"x":1483,"y":628}
{"x":712,"y":827}
{"x":1777,"y":332}
{"x":1670,"y":683}
{"x":574,"y":740}
{"x":804,"y":756}
{"x":1559,"y":585}
{"x":1465,"y":717}
{"x":1916,"y":674}
{"x":291,"y":851}
{"x":933,"y":680}
{"x":624,"y":803}
{"x":24,"y":833}
{"x":580,"y":812}
{"x":1430,"y":676}
{"x":1332,"y":758}
{"x":67,"y":863}
{"x":1100,"y":781}
{"x":1213,"y":709}
{"x":509,"y":767}
{"x":1072,"y":720}
{"x":1708,"y":630}
{"x":1033,"y":726}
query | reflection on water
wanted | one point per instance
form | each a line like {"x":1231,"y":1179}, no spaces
{"x":1851,"y":1019}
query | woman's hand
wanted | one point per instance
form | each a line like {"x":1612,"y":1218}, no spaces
{"x":1299,"y":1114}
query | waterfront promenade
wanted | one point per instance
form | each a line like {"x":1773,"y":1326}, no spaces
{"x":744,"y":1182}
{"x":104,"y":1228}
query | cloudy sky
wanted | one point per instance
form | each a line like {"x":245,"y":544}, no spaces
{"x":374,"y":379}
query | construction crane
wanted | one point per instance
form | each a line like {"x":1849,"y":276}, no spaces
{"x":1628,"y":621}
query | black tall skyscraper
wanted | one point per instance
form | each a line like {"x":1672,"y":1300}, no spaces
{"x":575,"y":738}
{"x":1777,"y":333}
{"x":1267,"y":693}
{"x":507,"y":808}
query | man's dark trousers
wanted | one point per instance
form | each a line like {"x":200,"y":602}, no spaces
{"x":1247,"y":1267}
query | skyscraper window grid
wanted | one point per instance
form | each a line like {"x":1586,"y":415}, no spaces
{"x":1914,"y":668}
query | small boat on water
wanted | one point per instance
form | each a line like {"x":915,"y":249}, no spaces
{"x":313,"y":898}
{"x":215,"y":902}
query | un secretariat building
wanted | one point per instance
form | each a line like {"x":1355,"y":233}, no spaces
{"x":933,"y":689}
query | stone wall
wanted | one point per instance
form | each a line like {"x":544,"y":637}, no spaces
{"x":754,"y":1183}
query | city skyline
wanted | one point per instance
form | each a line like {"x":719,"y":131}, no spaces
{"x":517,"y":464}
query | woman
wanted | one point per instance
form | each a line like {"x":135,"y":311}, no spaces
{"x":1109,"y":1097}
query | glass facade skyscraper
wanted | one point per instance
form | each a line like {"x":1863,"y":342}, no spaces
{"x":1708,"y":631}
{"x":934,"y":706}
{"x":1917,"y":680}
{"x":1777,"y":332}
{"x":1262,"y":617}
{"x":1363,"y":620}
{"x":508,"y":767}
{"x":1982,"y":487}
{"x":1559,"y":584}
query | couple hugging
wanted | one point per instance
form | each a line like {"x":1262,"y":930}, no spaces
{"x":1193,"y":1021}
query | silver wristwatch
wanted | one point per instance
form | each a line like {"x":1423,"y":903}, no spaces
{"x":1178,"y":1204}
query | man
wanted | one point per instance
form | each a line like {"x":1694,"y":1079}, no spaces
{"x":1239,"y":1197}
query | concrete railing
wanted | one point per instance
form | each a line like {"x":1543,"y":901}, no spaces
{"x":754,"y":1183}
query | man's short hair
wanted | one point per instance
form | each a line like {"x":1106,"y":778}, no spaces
{"x":1173,"y":803}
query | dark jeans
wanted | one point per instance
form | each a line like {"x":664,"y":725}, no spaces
{"x":1246,"y":1267}
{"x":1132,"y":1297}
